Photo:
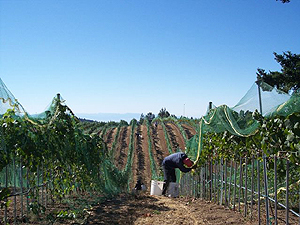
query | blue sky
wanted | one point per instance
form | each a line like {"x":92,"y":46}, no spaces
{"x":135,"y":56}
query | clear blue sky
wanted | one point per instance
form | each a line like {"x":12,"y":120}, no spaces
{"x":138,"y":56}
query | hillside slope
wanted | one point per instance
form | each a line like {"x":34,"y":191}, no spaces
{"x":157,"y":137}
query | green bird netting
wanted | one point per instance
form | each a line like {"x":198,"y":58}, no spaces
{"x":239,"y":120}
{"x":54,"y":138}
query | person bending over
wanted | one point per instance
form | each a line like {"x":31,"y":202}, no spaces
{"x":170,"y":163}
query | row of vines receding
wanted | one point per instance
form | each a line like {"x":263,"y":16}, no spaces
{"x":276,"y":137}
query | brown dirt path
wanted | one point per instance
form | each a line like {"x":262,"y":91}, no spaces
{"x":157,"y":148}
{"x":147,"y":210}
{"x":162,"y":140}
{"x":176,"y":135}
{"x":109,"y":137}
{"x":122,"y":147}
{"x":145,"y":148}
{"x":190,"y":131}
{"x":141,"y":161}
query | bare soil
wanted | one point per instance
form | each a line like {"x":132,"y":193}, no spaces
{"x":145,"y":209}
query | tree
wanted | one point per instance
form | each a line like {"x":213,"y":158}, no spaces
{"x":150,"y":116}
{"x":288,"y":79}
{"x":142,"y":118}
{"x":163,"y":113}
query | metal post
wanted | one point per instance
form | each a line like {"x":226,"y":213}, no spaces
{"x":201,"y":189}
{"x":211,"y":180}
{"x":234,"y":191}
{"x":197,"y":187}
{"x":287,"y":192}
{"x":46,"y":189}
{"x":222,"y":180}
{"x":204,"y":181}
{"x":21,"y":186}
{"x":6,"y":186}
{"x":259,"y":97}
{"x":210,"y":105}
{"x":42,"y":194}
{"x":240,"y":183}
{"x":218,"y":181}
{"x":267,"y":208}
{"x":252,"y":185}
{"x":225,"y":177}
{"x":266,"y":188}
{"x":194,"y":186}
{"x":230,"y":184}
{"x":27,"y":193}
{"x":275,"y":187}
{"x":258,"y":189}
{"x":15,"y":190}
{"x":215,"y":184}
{"x":246,"y":187}
{"x":38,"y":183}
{"x":199,"y":183}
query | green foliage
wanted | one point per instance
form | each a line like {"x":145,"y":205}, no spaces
{"x":284,"y":1}
{"x":59,"y":144}
{"x":37,"y":208}
{"x":142,"y":118}
{"x":150,"y":116}
{"x":4,"y":194}
{"x":288,"y":78}
{"x":163,"y":113}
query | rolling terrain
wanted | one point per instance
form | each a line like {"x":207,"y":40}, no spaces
{"x":156,"y":138}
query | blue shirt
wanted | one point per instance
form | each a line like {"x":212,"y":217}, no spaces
{"x":175,"y":160}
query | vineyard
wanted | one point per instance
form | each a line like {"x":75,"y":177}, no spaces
{"x":57,"y":168}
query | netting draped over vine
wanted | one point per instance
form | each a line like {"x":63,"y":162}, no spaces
{"x":87,"y":156}
{"x":52,"y":145}
{"x":8,"y":101}
{"x":239,"y":120}
{"x":271,"y":98}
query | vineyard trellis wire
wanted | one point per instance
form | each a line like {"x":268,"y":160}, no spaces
{"x":72,"y":160}
{"x":238,"y":184}
{"x":227,"y":134}
{"x":50,"y":157}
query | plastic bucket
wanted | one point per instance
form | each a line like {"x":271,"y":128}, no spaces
{"x":156,"y":187}
{"x":173,"y":190}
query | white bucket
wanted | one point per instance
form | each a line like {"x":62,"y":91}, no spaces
{"x":156,"y":187}
{"x":173,"y":190}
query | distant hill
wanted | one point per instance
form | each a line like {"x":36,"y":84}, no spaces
{"x":106,"y":117}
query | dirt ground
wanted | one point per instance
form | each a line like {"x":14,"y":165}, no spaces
{"x":147,"y":209}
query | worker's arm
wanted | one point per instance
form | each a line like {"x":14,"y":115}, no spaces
{"x":184,"y":169}
{"x":194,"y":166}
